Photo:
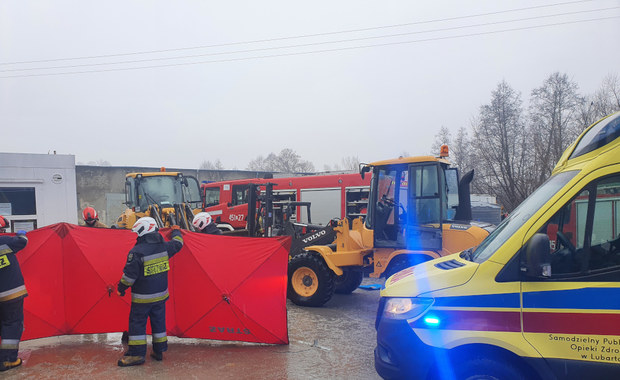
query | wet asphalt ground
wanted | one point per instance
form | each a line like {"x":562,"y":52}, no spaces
{"x":335,"y":341}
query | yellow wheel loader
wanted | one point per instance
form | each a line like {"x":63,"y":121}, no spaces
{"x":168,"y":197}
{"x":418,"y":210}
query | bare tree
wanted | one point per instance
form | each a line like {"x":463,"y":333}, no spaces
{"x":99,"y":162}
{"x":286,"y":162}
{"x":214,"y":169}
{"x":586,"y":113}
{"x":215,"y":165}
{"x":606,"y":99}
{"x":499,"y":148}
{"x":443,"y":137}
{"x":554,"y":115}
{"x":350,"y":163}
{"x":258,"y":164}
{"x":460,"y":151}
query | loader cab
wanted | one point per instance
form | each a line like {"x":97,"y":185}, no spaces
{"x":162,"y":189}
{"x":410,"y":199}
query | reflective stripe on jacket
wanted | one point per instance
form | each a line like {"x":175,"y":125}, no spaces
{"x":11,"y":279}
{"x":146,"y":270}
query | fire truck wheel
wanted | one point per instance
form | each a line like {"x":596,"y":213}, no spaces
{"x":349,"y":281}
{"x":310,"y":281}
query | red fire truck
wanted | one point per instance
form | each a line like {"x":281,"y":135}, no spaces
{"x":331,"y":196}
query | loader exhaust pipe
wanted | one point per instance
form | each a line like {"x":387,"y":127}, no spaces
{"x":463,"y":211}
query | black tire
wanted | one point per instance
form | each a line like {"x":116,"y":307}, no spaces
{"x":349,"y":281}
{"x":481,"y":368}
{"x":403,"y":261}
{"x":310,"y":281}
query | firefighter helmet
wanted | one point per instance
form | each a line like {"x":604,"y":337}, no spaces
{"x":4,"y":223}
{"x":90,"y":214}
{"x":201,"y":220}
{"x":144,"y":226}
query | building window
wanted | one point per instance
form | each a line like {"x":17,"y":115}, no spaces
{"x":17,"y":201}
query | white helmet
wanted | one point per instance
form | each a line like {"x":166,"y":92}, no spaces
{"x":201,"y":220}
{"x":144,"y":226}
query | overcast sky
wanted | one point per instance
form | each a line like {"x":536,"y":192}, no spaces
{"x":175,"y":83}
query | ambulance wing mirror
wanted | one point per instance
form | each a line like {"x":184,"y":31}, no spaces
{"x":537,"y":257}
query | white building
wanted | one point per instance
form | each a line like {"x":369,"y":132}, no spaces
{"x":37,"y":190}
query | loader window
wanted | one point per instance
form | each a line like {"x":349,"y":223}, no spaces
{"x":162,"y":190}
{"x":452,"y":196}
{"x":130,"y":193}
{"x":426,"y":194}
{"x":390,"y":205}
{"x":191,"y":191}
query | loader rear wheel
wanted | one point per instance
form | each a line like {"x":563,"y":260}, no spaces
{"x":310,"y":281}
{"x":349,"y":281}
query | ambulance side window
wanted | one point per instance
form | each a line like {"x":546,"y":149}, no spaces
{"x":605,"y":241}
{"x":584,"y":235}
{"x":566,"y":235}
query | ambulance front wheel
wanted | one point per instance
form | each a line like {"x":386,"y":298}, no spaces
{"x":310,"y":281}
{"x":487,"y":368}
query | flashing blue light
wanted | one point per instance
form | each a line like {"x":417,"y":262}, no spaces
{"x":432,"y":321}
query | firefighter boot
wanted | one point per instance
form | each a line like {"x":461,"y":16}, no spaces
{"x":159,"y":356}
{"x":127,"y":361}
{"x":8,"y":365}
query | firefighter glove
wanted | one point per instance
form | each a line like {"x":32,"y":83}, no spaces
{"x":121,"y":289}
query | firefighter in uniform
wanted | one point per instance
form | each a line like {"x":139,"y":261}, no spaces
{"x":12,"y":293}
{"x":146,"y":273}
{"x":91,"y":218}
{"x":204,"y":223}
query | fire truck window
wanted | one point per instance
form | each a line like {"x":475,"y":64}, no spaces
{"x":239,"y":195}
{"x":212,"y":196}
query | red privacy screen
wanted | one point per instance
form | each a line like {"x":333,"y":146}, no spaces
{"x":221,"y":287}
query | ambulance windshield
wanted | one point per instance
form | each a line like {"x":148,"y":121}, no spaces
{"x":521,"y":214}
{"x":601,"y":134}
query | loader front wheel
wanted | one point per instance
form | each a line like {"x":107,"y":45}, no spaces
{"x":310,"y":281}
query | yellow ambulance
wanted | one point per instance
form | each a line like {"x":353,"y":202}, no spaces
{"x":539,"y":298}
